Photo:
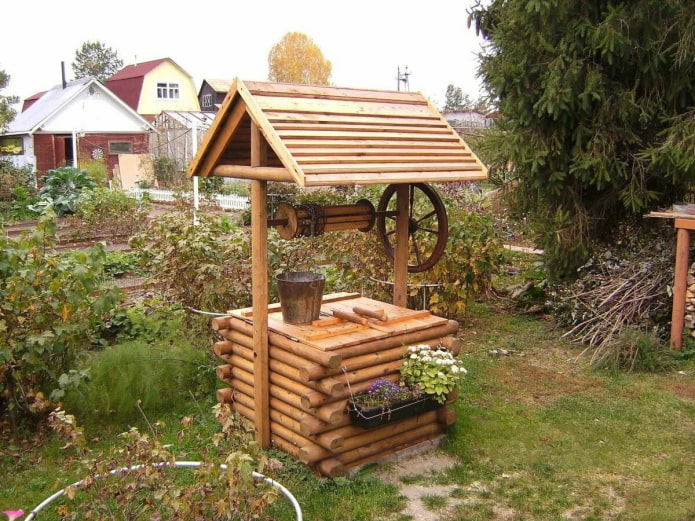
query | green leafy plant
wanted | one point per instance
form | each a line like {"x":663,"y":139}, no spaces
{"x":48,"y":312}
{"x":204,"y":266}
{"x":435,"y":371}
{"x":137,"y":478}
{"x":62,"y":188}
{"x":105,"y":211}
{"x":472,"y":257}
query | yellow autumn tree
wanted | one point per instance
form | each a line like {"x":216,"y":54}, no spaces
{"x":297,"y":59}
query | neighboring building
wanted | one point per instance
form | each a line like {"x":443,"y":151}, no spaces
{"x":174,"y":136}
{"x":461,"y":120}
{"x":212,"y":93}
{"x":78,"y":120}
{"x":155,"y":86}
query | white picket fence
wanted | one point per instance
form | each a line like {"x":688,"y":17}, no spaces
{"x":226,"y":201}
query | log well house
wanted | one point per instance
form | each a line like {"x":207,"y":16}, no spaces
{"x":291,"y":381}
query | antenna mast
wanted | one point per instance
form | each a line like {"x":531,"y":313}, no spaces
{"x":403,"y":77}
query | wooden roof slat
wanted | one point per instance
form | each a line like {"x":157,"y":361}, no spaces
{"x":401,"y":167}
{"x":369,"y":143}
{"x":276,"y":117}
{"x":378,"y":177}
{"x":374,"y":151}
{"x":356,"y":135}
{"x":288,"y":128}
{"x":316,"y":160}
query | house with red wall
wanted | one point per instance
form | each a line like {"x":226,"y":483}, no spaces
{"x":155,"y":86}
{"x":74,"y":122}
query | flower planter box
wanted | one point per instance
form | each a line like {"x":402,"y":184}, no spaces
{"x":377,"y":416}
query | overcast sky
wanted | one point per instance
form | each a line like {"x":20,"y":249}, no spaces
{"x":366,"y":40}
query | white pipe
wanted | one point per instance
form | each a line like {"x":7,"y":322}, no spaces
{"x":186,"y":464}
{"x":194,"y":151}
{"x":74,"y":148}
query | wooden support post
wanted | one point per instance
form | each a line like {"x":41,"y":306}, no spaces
{"x":400,"y":276}
{"x":680,"y":284}
{"x":259,"y":259}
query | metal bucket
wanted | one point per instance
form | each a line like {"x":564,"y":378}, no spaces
{"x":301,"y":293}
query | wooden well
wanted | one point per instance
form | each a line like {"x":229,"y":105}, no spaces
{"x":292,"y":381}
{"x":314,"y":368}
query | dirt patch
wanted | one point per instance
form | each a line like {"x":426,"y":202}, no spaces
{"x":421,"y":462}
{"x":531,"y":383}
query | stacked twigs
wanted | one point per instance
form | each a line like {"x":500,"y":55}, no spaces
{"x":628,"y":295}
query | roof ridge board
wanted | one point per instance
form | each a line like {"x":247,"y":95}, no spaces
{"x":258,"y":88}
{"x":311,"y":105}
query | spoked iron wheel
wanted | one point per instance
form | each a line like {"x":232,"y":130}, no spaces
{"x":428,"y":226}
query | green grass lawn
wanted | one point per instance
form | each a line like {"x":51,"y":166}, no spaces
{"x":539,"y":437}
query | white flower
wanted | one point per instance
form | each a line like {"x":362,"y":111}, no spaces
{"x":413,"y":357}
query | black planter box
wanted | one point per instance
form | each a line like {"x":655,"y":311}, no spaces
{"x":376,"y":416}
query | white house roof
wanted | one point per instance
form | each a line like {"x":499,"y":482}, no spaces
{"x":52,"y":103}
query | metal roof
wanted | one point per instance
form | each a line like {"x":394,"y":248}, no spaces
{"x":319,"y":136}
{"x":53,"y":101}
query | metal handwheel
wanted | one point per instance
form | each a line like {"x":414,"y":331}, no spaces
{"x":428,"y":225}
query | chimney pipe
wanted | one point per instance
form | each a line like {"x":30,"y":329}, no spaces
{"x":62,"y":70}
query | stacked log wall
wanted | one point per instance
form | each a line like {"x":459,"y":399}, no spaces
{"x":310,"y":388}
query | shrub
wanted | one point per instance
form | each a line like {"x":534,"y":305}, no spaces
{"x":47,"y":315}
{"x":204,"y":266}
{"x":97,"y":170}
{"x":135,"y":477}
{"x":472,"y":256}
{"x":149,"y":319}
{"x":102,"y":210}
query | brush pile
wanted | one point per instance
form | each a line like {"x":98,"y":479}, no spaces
{"x":625,"y":286}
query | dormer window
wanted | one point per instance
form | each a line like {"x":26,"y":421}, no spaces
{"x":207,"y":101}
{"x":167,"y":91}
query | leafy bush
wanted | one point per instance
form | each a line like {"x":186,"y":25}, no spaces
{"x":151,"y":489}
{"x":47,"y":315}
{"x":97,"y":170}
{"x":149,"y":319}
{"x":204,"y":266}
{"x":17,"y":191}
{"x":62,"y":189}
{"x":168,"y":172}
{"x":102,"y":210}
{"x":472,"y":256}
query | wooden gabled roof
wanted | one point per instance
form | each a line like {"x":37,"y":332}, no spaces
{"x":320,"y":136}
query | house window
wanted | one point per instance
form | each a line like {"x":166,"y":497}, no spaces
{"x":120,"y":147}
{"x":167,"y":91}
{"x":207,"y":101}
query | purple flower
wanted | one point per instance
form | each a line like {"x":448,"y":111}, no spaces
{"x":13,"y":514}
